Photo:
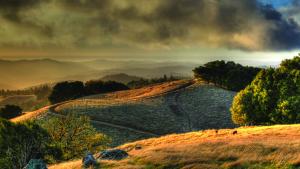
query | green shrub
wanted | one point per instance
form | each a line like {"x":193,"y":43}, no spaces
{"x":74,"y":136}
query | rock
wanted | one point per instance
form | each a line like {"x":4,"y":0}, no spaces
{"x":36,"y":164}
{"x":89,"y":160}
{"x":138,"y":147}
{"x":115,"y":154}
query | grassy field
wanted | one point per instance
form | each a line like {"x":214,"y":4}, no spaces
{"x":266,"y":147}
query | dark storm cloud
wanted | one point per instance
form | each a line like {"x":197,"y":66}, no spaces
{"x":286,"y":32}
{"x":10,"y":8}
{"x":245,"y":24}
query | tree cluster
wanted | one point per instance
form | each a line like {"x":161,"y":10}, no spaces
{"x":228,"y":75}
{"x":69,"y":90}
{"x":41,"y":91}
{"x":272,"y":98}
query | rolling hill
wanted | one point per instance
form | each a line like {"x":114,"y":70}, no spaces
{"x":172,"y":107}
{"x":265,"y":147}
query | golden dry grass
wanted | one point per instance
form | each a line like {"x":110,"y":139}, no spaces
{"x":148,"y":91}
{"x":31,"y":115}
{"x":253,"y":147}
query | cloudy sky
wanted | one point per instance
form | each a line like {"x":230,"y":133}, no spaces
{"x":262,"y":30}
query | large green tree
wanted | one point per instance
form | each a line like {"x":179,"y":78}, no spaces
{"x":272,"y":98}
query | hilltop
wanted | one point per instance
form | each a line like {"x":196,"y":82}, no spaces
{"x":252,"y":147}
{"x":172,"y":107}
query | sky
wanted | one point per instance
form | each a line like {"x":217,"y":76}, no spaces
{"x":185,"y":30}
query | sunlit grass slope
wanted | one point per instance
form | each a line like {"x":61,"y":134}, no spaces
{"x":272,"y":147}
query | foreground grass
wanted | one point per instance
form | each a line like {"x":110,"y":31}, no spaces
{"x":269,"y":147}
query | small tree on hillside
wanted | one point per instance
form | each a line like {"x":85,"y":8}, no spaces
{"x":10,"y":111}
{"x":74,"y":135}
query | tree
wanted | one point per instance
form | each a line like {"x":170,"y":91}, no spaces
{"x":226,"y":74}
{"x":98,"y":87}
{"x":21,"y":142}
{"x":64,"y":91}
{"x":272,"y":97}
{"x":74,"y":135}
{"x":10,"y":111}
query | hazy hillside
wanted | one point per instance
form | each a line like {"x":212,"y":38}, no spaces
{"x":121,"y":77}
{"x":269,"y":147}
{"x":6,"y":86}
{"x":25,"y":73}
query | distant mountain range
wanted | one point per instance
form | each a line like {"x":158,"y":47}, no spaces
{"x":25,"y":73}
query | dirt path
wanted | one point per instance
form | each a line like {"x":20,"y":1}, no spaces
{"x":172,"y":99}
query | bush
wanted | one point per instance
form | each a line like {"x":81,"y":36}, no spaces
{"x":74,"y":136}
{"x":272,"y":98}
{"x":10,"y":111}
{"x":21,"y":142}
{"x":229,"y":75}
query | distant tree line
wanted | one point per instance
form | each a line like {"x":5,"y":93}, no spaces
{"x":69,"y":90}
{"x":228,"y":75}
{"x":41,"y":91}
{"x":272,"y":98}
{"x":145,"y":82}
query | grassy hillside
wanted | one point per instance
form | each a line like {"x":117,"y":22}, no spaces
{"x":272,"y":147}
{"x":173,"y":107}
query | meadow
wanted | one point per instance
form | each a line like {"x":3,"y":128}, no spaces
{"x":272,"y":147}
